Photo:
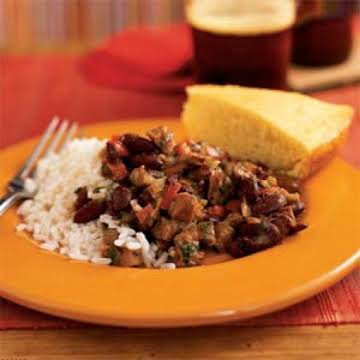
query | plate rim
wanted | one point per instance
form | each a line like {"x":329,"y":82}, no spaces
{"x":294,"y":296}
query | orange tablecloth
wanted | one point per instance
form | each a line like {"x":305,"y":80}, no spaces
{"x":34,"y":88}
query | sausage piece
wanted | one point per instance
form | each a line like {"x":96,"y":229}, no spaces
{"x":90,"y":211}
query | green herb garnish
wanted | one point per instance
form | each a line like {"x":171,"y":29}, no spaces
{"x":114,"y":255}
{"x":263,"y":227}
{"x":186,"y":251}
{"x":205,"y":228}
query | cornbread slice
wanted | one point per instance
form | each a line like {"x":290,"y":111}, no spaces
{"x":289,"y":132}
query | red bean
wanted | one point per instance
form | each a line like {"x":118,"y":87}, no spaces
{"x":144,"y":198}
{"x":234,"y":249}
{"x":262,"y":228}
{"x":120,"y":198}
{"x":90,"y":211}
{"x":298,"y":227}
{"x":150,"y":161}
{"x":252,"y":245}
{"x":298,"y":207}
{"x":269,"y":200}
{"x":248,"y":187}
{"x":137,"y":144}
{"x":82,"y":197}
{"x":250,"y":229}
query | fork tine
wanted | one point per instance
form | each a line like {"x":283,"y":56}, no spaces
{"x":70,"y":134}
{"x":56,"y":140}
{"x":27,"y":166}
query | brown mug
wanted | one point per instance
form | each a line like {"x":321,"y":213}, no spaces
{"x":253,"y":48}
{"x":323,"y":32}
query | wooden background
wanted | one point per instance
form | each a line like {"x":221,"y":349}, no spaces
{"x":76,"y":24}
{"x":218,"y":343}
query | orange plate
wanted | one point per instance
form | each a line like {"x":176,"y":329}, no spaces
{"x":273,"y":279}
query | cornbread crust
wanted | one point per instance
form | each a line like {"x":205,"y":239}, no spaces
{"x":319,"y":158}
{"x":289,"y":132}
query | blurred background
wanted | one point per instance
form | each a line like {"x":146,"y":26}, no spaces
{"x":76,"y":24}
{"x":76,"y":58}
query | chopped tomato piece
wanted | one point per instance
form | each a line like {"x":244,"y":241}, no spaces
{"x":169,"y":194}
{"x":175,"y":169}
{"x":183,"y":149}
{"x":118,"y":170}
{"x":216,"y":211}
{"x":233,"y":205}
{"x":144,"y":214}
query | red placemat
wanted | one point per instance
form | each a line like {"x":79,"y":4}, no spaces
{"x":160,"y":58}
{"x":34,"y":88}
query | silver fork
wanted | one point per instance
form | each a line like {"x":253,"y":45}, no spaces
{"x":54,"y":139}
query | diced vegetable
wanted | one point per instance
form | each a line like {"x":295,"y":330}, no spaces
{"x":144,"y":214}
{"x":119,"y":147}
{"x":234,"y":205}
{"x":186,"y":199}
{"x":118,"y":171}
{"x":217,"y":211}
{"x":185,"y":207}
{"x":169,"y":194}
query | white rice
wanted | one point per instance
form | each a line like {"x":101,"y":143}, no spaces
{"x":133,"y":240}
{"x":48,"y":216}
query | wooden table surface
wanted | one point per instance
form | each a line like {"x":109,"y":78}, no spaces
{"x":226,"y":342}
{"x":39,"y":95}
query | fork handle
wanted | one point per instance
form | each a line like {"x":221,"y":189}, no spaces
{"x":9,"y":200}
